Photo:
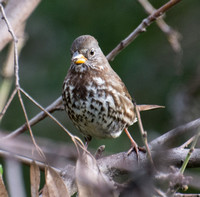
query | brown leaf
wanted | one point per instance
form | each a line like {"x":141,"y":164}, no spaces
{"x":3,"y":192}
{"x":149,"y":107}
{"x":55,"y":187}
{"x":35,"y":179}
{"x":90,"y":180}
{"x":45,"y":192}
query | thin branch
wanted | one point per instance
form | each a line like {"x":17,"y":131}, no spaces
{"x":143,"y":134}
{"x":141,"y":28}
{"x":183,"y":167}
{"x":15,"y":40}
{"x":8,"y":73}
{"x":29,"y":127}
{"x":22,"y":159}
{"x":172,"y":35}
{"x":73,"y":137}
{"x":8,"y":104}
{"x":187,"y":143}
{"x":40,"y":116}
{"x":17,"y":85}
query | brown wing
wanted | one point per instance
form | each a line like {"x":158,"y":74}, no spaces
{"x":121,"y":96}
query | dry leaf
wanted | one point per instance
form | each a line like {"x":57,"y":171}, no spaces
{"x":3,"y":192}
{"x":55,"y":186}
{"x":35,"y":179}
{"x":90,"y":180}
{"x":45,"y":192}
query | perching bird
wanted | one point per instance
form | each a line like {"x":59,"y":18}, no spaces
{"x":95,"y":98}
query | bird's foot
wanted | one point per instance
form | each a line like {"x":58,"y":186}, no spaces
{"x":136,"y":149}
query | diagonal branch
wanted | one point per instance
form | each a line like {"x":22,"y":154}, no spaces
{"x":172,"y":35}
{"x":141,"y":28}
{"x":40,"y":116}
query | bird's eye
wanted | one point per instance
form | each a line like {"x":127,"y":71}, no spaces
{"x":92,"y":52}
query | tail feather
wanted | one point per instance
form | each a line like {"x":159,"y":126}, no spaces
{"x":149,"y":107}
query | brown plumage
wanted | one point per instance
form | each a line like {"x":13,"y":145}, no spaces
{"x":94,"y":96}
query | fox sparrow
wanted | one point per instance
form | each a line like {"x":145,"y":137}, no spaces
{"x":94,"y":96}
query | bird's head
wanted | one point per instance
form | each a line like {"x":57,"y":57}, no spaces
{"x":86,"y":53}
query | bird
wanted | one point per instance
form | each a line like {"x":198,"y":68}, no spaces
{"x":94,"y":96}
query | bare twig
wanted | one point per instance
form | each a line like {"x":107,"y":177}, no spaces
{"x":187,"y":143}
{"x":17,"y":85}
{"x":40,"y":116}
{"x":29,"y":127}
{"x":23,"y":159}
{"x":8,"y":103}
{"x":183,"y":167}
{"x":73,"y":137}
{"x":8,"y":73}
{"x":172,"y":35}
{"x":141,"y":28}
{"x":15,"y":40}
{"x":143,"y":134}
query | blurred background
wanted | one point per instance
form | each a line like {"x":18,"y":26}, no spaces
{"x":152,"y":71}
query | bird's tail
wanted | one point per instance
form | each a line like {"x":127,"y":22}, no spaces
{"x":149,"y":107}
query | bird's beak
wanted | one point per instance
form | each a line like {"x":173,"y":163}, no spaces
{"x":78,"y":58}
